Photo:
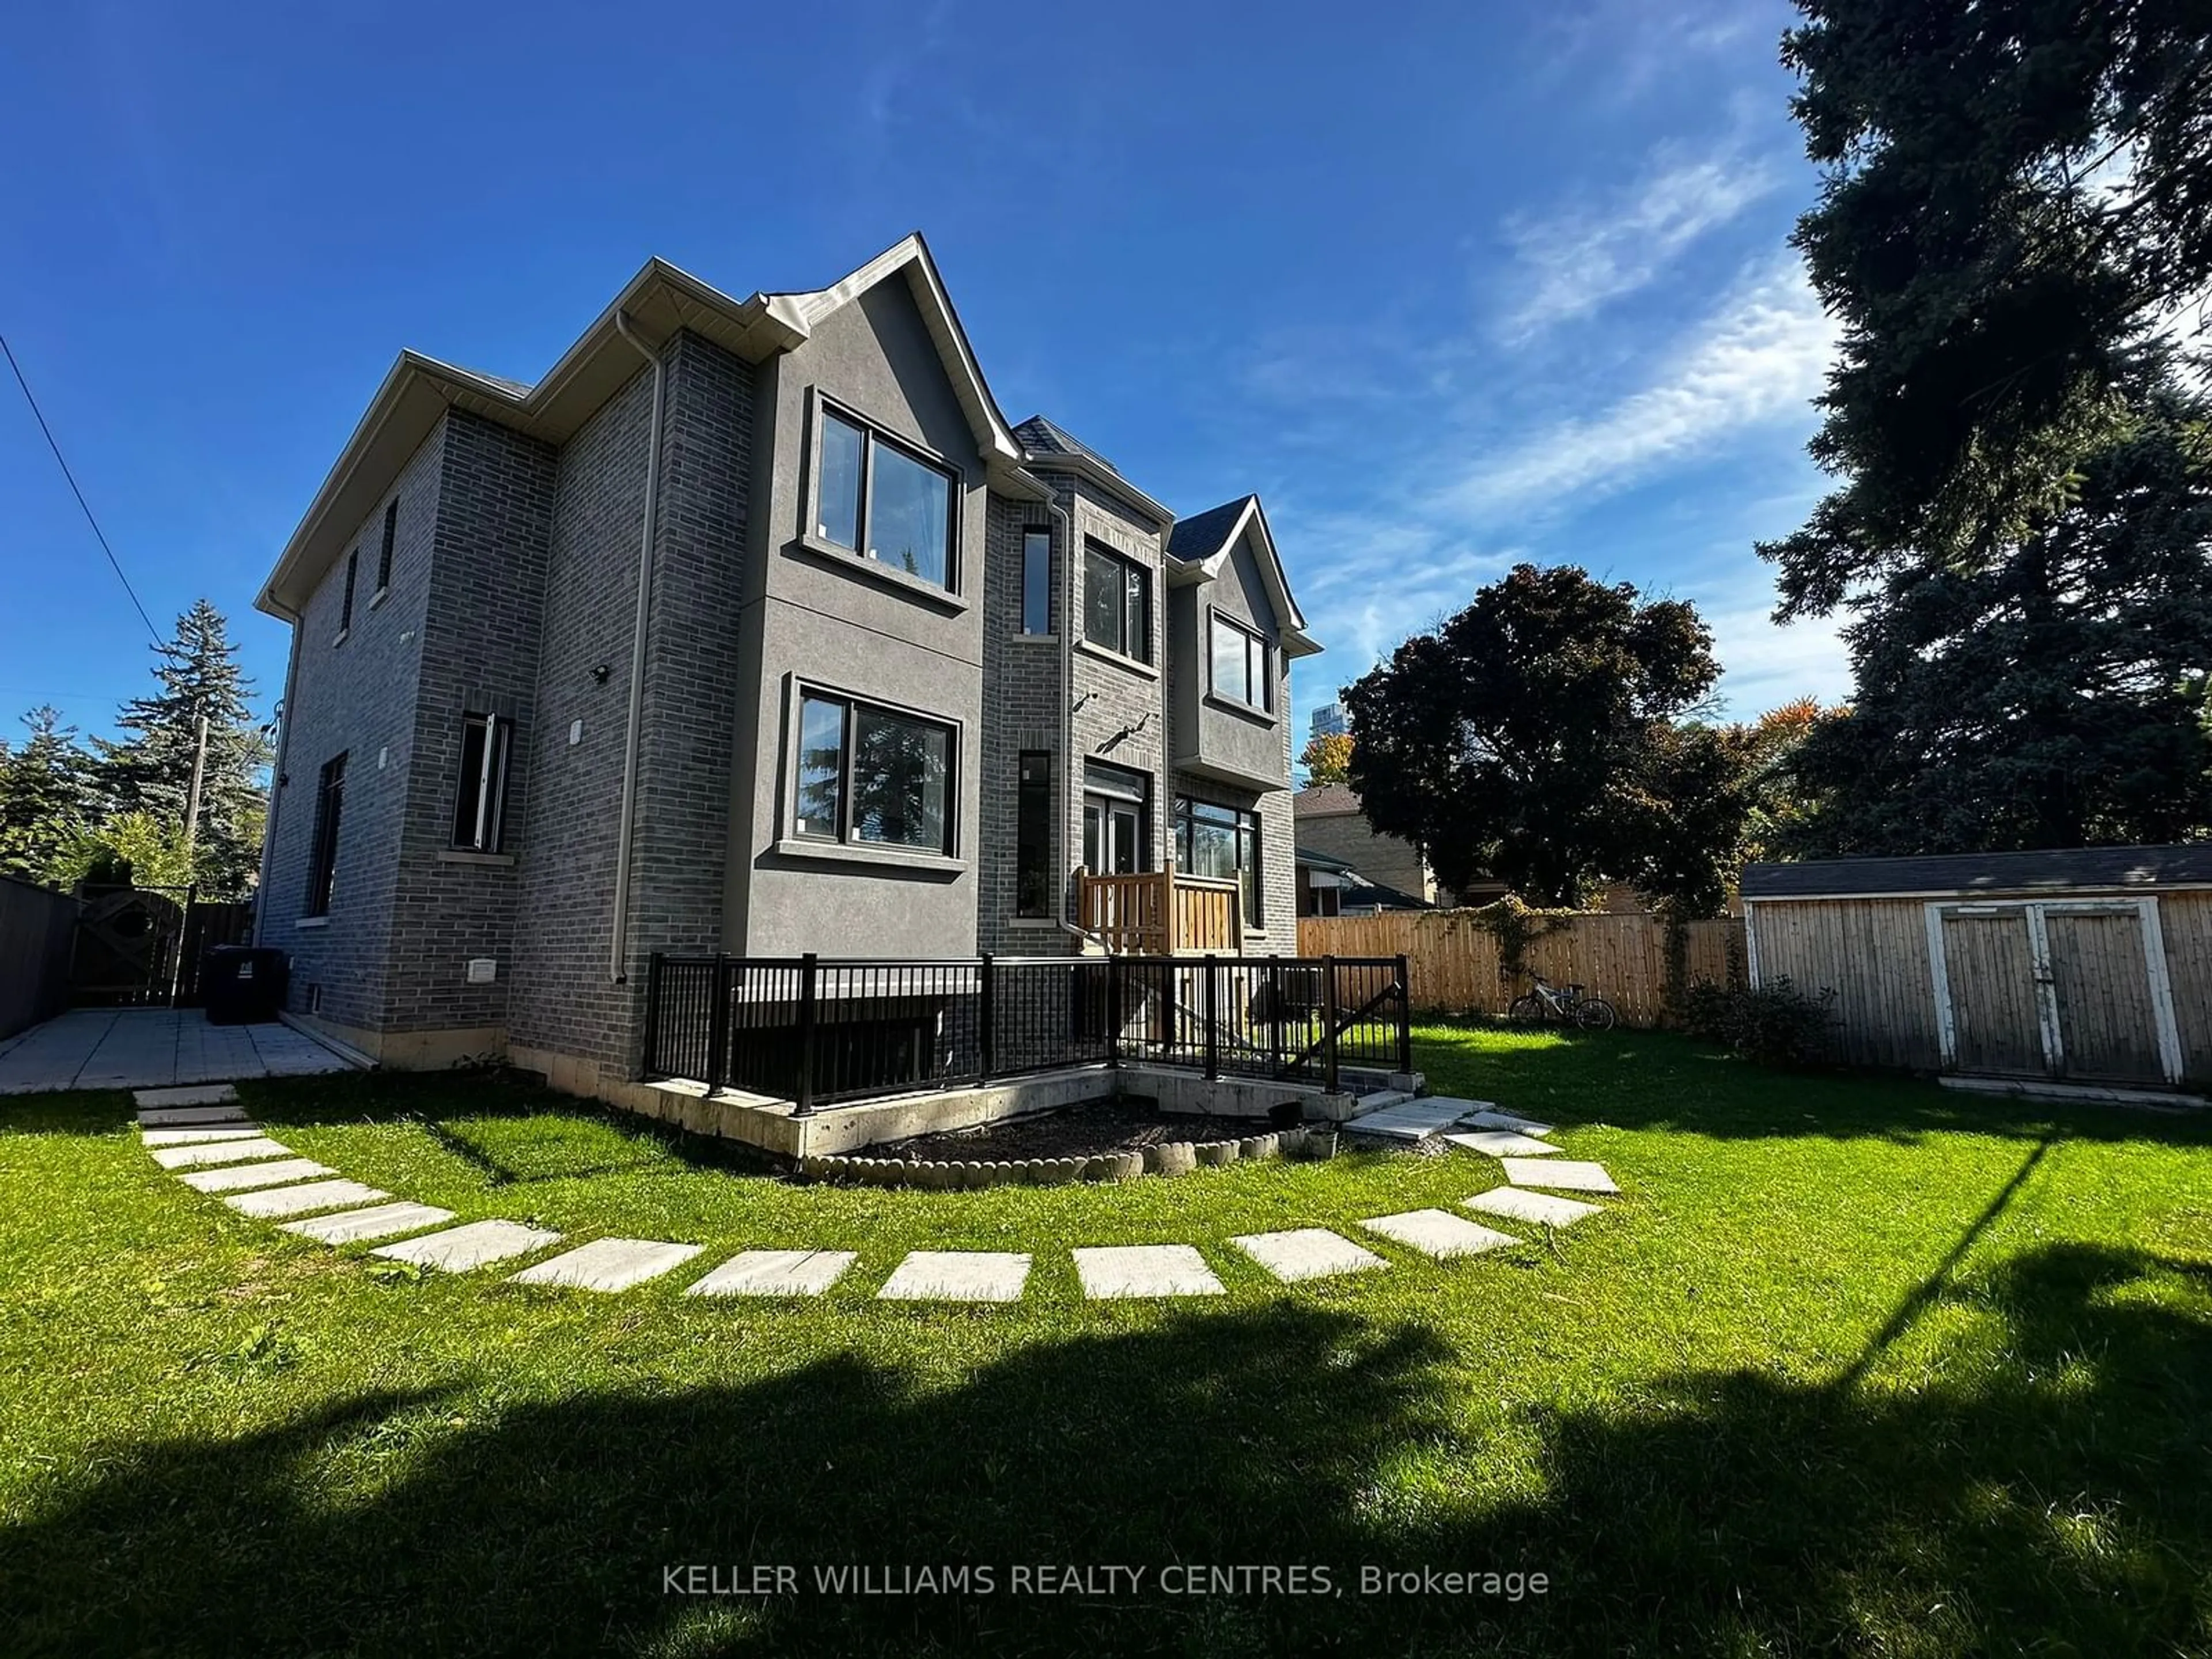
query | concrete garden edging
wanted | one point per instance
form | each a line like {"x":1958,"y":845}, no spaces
{"x":1167,"y":1158}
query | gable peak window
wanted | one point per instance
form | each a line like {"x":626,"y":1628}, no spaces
{"x":1241,"y":665}
{"x":480,"y":801}
{"x":874,"y":774}
{"x":1117,"y":602}
{"x":879,"y":499}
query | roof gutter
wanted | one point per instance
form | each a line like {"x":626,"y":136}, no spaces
{"x":618,"y":939}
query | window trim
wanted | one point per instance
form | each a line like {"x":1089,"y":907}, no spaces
{"x":1216,"y":618}
{"x":322,"y":841}
{"x":844,"y":843}
{"x":491,"y":785}
{"x":821,"y":409}
{"x":1093,"y":548}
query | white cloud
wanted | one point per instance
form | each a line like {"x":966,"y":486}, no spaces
{"x":1578,"y":261}
{"x":1765,"y":665}
{"x":1761,"y":357}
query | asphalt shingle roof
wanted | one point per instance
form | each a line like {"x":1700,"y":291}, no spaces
{"x":2056,"y":870}
{"x":1041,"y":437}
{"x":1200,"y":535}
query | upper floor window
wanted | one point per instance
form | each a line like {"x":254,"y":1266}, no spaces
{"x":383,"y":553}
{"x":877,"y":499}
{"x":868,"y":773}
{"x":1240,"y":665}
{"x":1037,"y":580}
{"x":1117,"y":603}
{"x":480,"y":804}
{"x":323,"y":853}
{"x":345,"y":605}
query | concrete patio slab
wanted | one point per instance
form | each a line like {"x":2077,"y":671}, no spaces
{"x":206,"y":1135}
{"x":610,"y":1264}
{"x":242,"y":1177}
{"x":220,"y":1151}
{"x":272,"y":1202}
{"x":1134,"y":1270}
{"x":350,"y":1226}
{"x":199,"y":1094}
{"x":153,"y":1049}
{"x":191,"y":1117}
{"x":1501,"y":1142}
{"x":1519,"y":1204}
{"x":1573,"y":1176}
{"x":957,"y":1276}
{"x":1307,"y":1253}
{"x":1489,"y":1118}
{"x":1438,"y":1233}
{"x":1391,"y":1128}
{"x":1432,"y":1113}
{"x":776,"y":1273}
{"x":477,"y":1244}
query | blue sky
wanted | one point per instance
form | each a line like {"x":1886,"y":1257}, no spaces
{"x":1451,"y":285}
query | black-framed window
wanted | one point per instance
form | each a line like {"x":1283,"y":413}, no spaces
{"x":1036,"y":579}
{"x":1117,"y":819}
{"x":1033,"y":835}
{"x":345,"y":605}
{"x":1117,"y":602}
{"x":384,"y":552}
{"x":323,"y":857}
{"x":869,"y":774}
{"x":878,"y":499}
{"x":480,"y":801}
{"x":1223,"y":844}
{"x":1240,"y":665}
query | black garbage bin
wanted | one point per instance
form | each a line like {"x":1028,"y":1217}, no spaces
{"x":242,"y":984}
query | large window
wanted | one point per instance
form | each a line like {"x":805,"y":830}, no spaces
{"x":1033,"y":835}
{"x":1117,"y":603}
{"x":1116,"y":812}
{"x":1222,"y":843}
{"x":1240,"y":665}
{"x":877,"y":500}
{"x":322,"y":855}
{"x":480,"y":803}
{"x":1036,"y":582}
{"x":870,"y":775}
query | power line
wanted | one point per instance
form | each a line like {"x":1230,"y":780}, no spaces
{"x":39,"y":415}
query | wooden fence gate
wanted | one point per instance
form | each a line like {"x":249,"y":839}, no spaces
{"x":142,"y":947}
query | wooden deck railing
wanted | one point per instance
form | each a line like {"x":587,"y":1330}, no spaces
{"x":1157,"y":913}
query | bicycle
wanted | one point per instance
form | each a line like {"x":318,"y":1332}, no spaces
{"x":1566,"y":1005}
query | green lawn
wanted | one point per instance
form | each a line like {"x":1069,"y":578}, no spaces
{"x":1853,"y":1366}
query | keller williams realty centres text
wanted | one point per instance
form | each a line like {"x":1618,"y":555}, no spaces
{"x":1095,"y":1582}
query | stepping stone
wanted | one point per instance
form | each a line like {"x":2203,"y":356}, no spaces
{"x":1126,"y":1270}
{"x":274,"y":1201}
{"x":1394,"y":1129}
{"x":1487,"y":1118}
{"x":204,"y":1093}
{"x":184,"y":1117}
{"x":239,"y":1177}
{"x":348,"y":1226}
{"x":195,"y":1137}
{"x":1432,"y":1114}
{"x":1307,"y":1253}
{"x":220,"y":1151}
{"x":609,"y":1264}
{"x":775,"y":1272}
{"x":475,"y":1245}
{"x":957,"y":1276}
{"x":1501,"y":1142}
{"x":1567,"y":1173}
{"x":1438,"y":1233}
{"x":1519,"y":1204}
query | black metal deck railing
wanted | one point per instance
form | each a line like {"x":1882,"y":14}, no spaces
{"x":819,"y":1030}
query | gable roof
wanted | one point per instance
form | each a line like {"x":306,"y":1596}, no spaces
{"x":1042,"y":437}
{"x":1322,"y":801}
{"x":1202,"y":543}
{"x":1050,"y":447}
{"x":652,"y":306}
{"x":2056,"y":870}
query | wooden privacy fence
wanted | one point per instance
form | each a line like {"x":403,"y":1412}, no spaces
{"x":36,"y":929}
{"x":1453,"y":962}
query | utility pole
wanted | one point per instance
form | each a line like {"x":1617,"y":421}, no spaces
{"x":193,"y":799}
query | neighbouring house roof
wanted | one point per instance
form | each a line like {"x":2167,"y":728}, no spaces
{"x":654,"y":304}
{"x":2057,"y":870}
{"x":1201,"y":545}
{"x":1325,"y":801}
{"x":1359,"y":890}
{"x":1320,"y":861}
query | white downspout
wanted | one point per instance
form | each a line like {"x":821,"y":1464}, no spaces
{"x":618,"y":946}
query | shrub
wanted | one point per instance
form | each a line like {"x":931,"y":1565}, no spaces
{"x":1775,"y":1023}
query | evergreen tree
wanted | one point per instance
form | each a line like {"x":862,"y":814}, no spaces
{"x":151,"y":771}
{"x":43,"y":799}
{"x":2022,"y":535}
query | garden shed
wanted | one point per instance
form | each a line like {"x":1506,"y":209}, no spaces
{"x":2091,"y":965}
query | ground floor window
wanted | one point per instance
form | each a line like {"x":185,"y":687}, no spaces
{"x":1033,"y":835}
{"x":480,"y":804}
{"x":323,"y":859}
{"x":1116,"y":806}
{"x":868,"y":774}
{"x":1221,"y":844}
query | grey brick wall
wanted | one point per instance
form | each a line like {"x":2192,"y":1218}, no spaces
{"x":357,"y":698}
{"x":1022,"y":678}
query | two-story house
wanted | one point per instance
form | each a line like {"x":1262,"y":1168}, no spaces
{"x":752,"y":627}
